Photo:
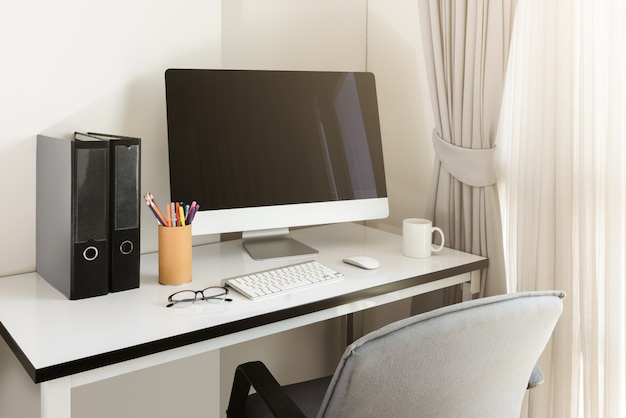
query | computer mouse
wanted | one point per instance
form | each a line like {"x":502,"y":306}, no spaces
{"x":362,"y":261}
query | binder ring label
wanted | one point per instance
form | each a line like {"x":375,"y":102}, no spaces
{"x":90,"y":253}
{"x":126,"y":247}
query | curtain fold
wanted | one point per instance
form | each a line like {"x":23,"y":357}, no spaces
{"x":466,"y":51}
{"x":562,"y":152}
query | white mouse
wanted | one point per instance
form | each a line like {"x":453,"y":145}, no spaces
{"x":362,"y":261}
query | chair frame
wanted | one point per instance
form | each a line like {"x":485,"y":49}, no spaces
{"x":257,"y":375}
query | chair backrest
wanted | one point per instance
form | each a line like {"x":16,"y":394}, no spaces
{"x":472,"y":359}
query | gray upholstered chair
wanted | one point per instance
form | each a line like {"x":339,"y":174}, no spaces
{"x":472,"y":359}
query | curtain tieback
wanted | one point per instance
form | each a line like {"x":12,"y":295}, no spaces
{"x":475,"y":167}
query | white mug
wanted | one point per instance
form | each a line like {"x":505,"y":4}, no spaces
{"x":417,"y":238}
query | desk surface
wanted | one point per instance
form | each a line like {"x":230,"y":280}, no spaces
{"x":54,"y":337}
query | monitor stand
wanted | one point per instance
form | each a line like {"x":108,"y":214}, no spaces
{"x":275,"y":243}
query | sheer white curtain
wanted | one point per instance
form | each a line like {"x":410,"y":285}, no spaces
{"x":563,"y":193}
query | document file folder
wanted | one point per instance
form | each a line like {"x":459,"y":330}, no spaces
{"x":72,"y":216}
{"x":124,"y":208}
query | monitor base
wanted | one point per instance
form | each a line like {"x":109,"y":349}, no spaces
{"x":272,"y":246}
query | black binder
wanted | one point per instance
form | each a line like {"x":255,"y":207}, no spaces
{"x":72,"y":216}
{"x":124,"y":207}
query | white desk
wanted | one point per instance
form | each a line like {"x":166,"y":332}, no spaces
{"x":64,"y":344}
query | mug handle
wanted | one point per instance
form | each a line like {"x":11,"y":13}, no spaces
{"x":435,"y":248}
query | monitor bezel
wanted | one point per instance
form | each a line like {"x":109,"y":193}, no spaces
{"x":264,"y":225}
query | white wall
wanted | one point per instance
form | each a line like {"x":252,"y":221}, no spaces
{"x":94,"y":65}
{"x":89,"y":65}
{"x":294,"y":35}
{"x":394,"y":55}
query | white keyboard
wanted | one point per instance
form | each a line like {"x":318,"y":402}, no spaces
{"x":283,"y":279}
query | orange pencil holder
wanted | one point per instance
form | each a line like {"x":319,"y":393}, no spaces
{"x":174,"y":255}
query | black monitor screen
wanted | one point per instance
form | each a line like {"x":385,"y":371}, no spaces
{"x":243,"y":138}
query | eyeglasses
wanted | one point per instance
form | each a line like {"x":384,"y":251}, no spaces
{"x":185,"y":298}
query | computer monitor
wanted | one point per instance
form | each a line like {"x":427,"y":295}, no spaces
{"x":263,"y":151}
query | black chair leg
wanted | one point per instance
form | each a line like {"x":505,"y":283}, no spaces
{"x":255,"y":374}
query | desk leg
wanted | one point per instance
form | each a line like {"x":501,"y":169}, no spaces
{"x":472,"y":289}
{"x":56,"y":398}
{"x":354,"y":327}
